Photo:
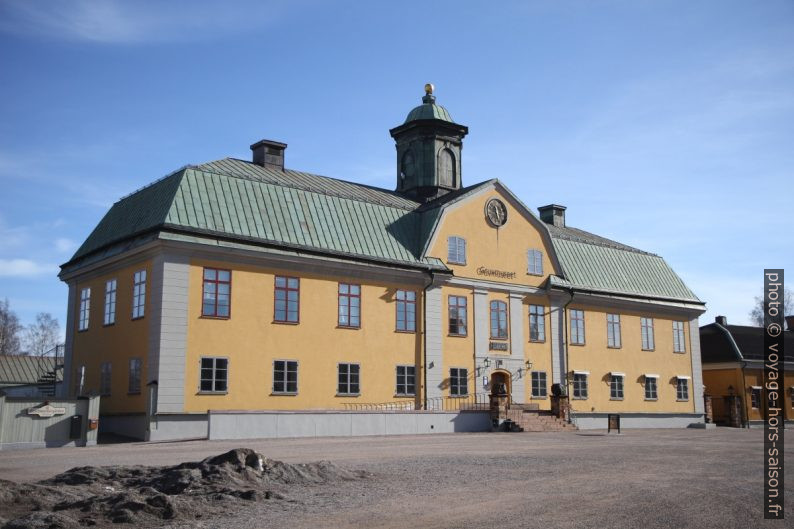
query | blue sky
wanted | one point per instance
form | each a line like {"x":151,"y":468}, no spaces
{"x":665,"y":125}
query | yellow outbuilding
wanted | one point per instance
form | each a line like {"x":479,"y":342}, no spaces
{"x":242,"y":295}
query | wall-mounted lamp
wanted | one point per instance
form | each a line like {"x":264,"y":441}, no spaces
{"x":731,"y":391}
{"x":528,"y":363}
{"x":486,"y":362}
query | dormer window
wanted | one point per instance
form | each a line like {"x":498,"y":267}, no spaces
{"x":456,"y":250}
{"x":535,"y":262}
{"x":446,"y":168}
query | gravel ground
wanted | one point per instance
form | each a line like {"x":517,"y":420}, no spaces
{"x":641,"y":478}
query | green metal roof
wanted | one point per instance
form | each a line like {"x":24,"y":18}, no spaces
{"x":232,"y":199}
{"x":429,"y":111}
{"x":593,"y":263}
{"x":293,"y":210}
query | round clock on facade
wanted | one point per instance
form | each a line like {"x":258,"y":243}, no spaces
{"x":496,"y":212}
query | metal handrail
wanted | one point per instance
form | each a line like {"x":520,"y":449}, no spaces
{"x":474,"y":401}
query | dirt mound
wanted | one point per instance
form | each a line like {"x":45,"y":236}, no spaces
{"x":144,"y":495}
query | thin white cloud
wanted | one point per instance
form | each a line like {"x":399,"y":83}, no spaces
{"x":25,"y":268}
{"x":118,"y":22}
{"x":65,"y":245}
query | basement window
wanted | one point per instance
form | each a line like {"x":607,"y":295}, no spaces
{"x":134,"y":386}
{"x":348,"y":379}
{"x":616,"y":386}
{"x":105,"y":379}
{"x":755,"y":397}
{"x":580,"y":385}
{"x":458,"y":382}
{"x":406,"y":381}
{"x":214,"y":375}
{"x":285,"y":377}
{"x":539,"y":385}
{"x":651,"y":392}
{"x":682,"y":389}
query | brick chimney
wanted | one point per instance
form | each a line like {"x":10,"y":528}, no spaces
{"x":269,"y":154}
{"x":722,"y":320}
{"x":553,"y":214}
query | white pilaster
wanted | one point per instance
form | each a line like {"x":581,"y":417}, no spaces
{"x":519,"y":375}
{"x":697,"y":369}
{"x":557,"y":337}
{"x":68,"y":348}
{"x":168,"y":313}
{"x":434,"y":366}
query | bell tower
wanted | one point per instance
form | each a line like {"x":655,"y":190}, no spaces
{"x":429,"y":148}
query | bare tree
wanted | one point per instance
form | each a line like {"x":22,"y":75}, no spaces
{"x":9,"y":330}
{"x":42,"y":335}
{"x":757,"y":314}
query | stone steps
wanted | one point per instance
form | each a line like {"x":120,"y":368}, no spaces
{"x":538,"y":421}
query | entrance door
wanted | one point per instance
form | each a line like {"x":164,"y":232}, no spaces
{"x":500,"y":383}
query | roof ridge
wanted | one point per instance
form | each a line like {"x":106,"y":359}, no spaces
{"x":556,"y":232}
{"x":294,"y":185}
{"x":152,"y":184}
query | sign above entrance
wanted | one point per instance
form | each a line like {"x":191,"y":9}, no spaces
{"x":490,"y":272}
{"x":46,"y":411}
{"x":497,"y":346}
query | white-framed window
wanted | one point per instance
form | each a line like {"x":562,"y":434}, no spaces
{"x":537,"y":323}
{"x":456,"y":250}
{"x":755,"y":397}
{"x":577,"y":327}
{"x":134,"y":383}
{"x":458,"y":381}
{"x":285,"y":377}
{"x":647,"y":334}
{"x":105,"y":378}
{"x":539,"y":385}
{"x":616,"y":386}
{"x":613,"y":330}
{"x":406,"y":380}
{"x":679,"y":337}
{"x":138,"y":294}
{"x":650,"y":388}
{"x":85,"y":308}
{"x":535,"y":262}
{"x":214,"y":374}
{"x":110,"y":302}
{"x":580,"y":385}
{"x":349,"y":382}
{"x":682,"y":389}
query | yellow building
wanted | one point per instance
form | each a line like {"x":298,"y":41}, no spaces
{"x":733,"y":373}
{"x":248,"y":289}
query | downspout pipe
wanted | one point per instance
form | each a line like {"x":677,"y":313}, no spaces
{"x":565,"y":343}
